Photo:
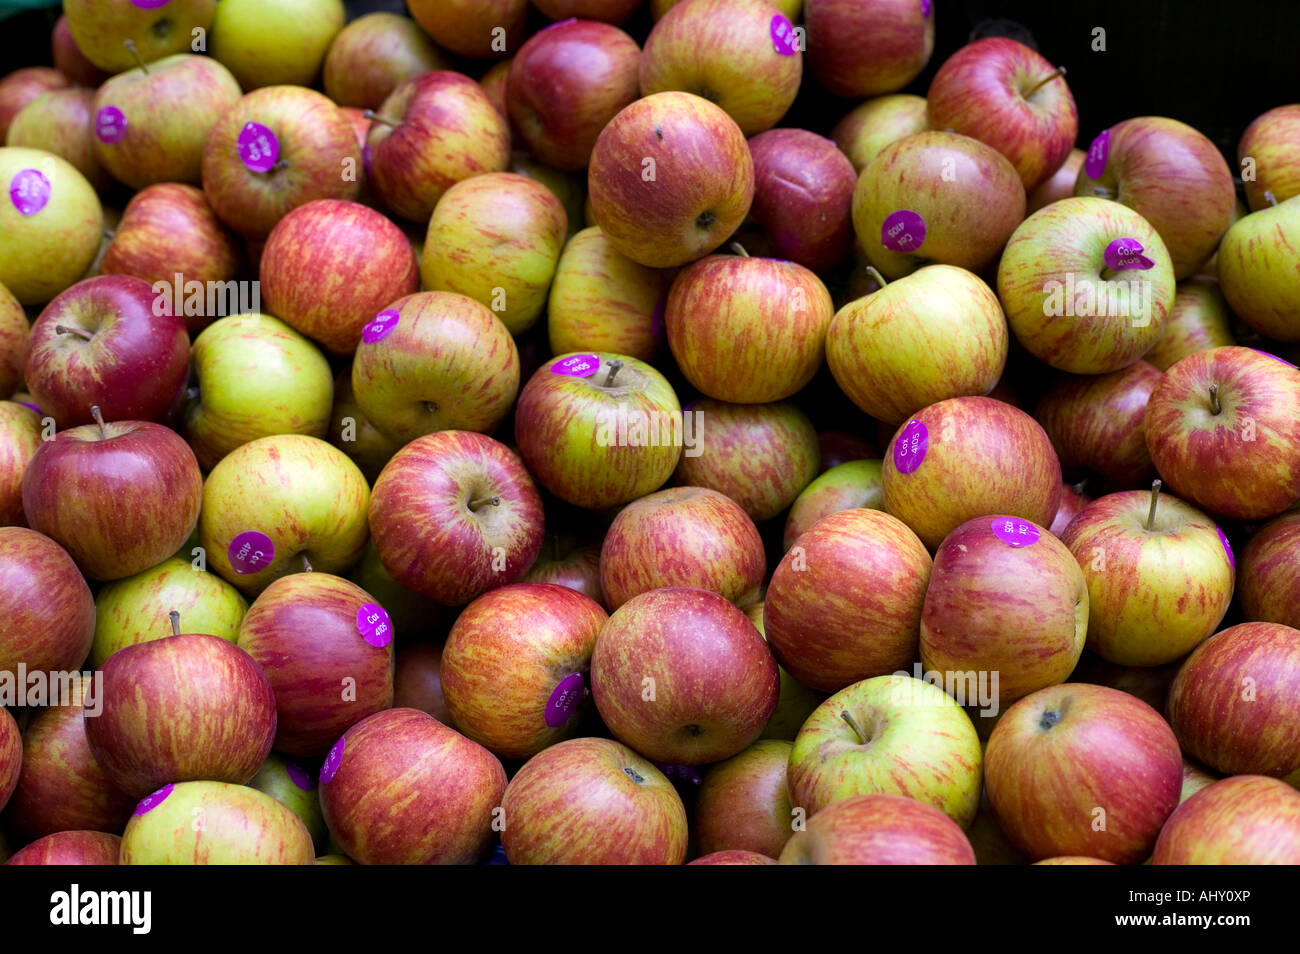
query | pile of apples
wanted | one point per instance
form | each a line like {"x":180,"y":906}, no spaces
{"x":478,"y":437}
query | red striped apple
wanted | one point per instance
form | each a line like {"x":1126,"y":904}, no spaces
{"x":61,"y":122}
{"x":1271,"y":140}
{"x":1199,"y":319}
{"x":1243,"y":820}
{"x":864,"y":49}
{"x":1059,"y":185}
{"x":871,"y":126}
{"x":1269,"y":581}
{"x":11,"y":756}
{"x":566,"y":562}
{"x":879,"y":830}
{"x":373,"y":55}
{"x":743,"y":803}
{"x":21,"y":87}
{"x":848,"y":486}
{"x":20,"y":438}
{"x":70,"y":848}
{"x":14,"y":332}
{"x":47,"y":615}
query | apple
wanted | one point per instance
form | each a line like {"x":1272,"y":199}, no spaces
{"x":791,"y":8}
{"x":14,"y":332}
{"x":399,"y":787}
{"x":1073,"y":860}
{"x":278,"y":148}
{"x":872,"y":125}
{"x":1223,"y":432}
{"x":1195,"y":778}
{"x":60,"y":122}
{"x":760,"y":455}
{"x":1074,"y":293}
{"x":574,"y":566}
{"x":20,"y":437}
{"x":417,"y":681}
{"x":70,"y":848}
{"x":214,"y":823}
{"x":865,"y":49}
{"x":1254,"y":270}
{"x":1005,"y":94}
{"x":47,"y":611}
{"x":69,"y":60}
{"x":683,"y":677}
{"x":1232,"y":704}
{"x":1199,"y":319}
{"x":11,"y":756}
{"x":151,"y":123}
{"x":293,"y":786}
{"x":1269,"y":582}
{"x":879,"y":830}
{"x":435,"y":361}
{"x":1073,"y":500}
{"x":934,"y":334}
{"x":455,"y":514}
{"x":1059,"y":185}
{"x":607,"y":11}
{"x":743,"y":804}
{"x":734,"y":858}
{"x":276,"y":42}
{"x":670,"y":179}
{"x":116,"y":35}
{"x":936,"y":197}
{"x":136,"y":609}
{"x":21,"y":87}
{"x":431,"y":132}
{"x":495,"y":82}
{"x":373,"y":54}
{"x":839,"y":447}
{"x":565,"y":83}
{"x":851,"y":485}
{"x":601,"y":299}
{"x":414,"y":617}
{"x":795,"y":701}
{"x":1270,"y":141}
{"x":354,"y":433}
{"x":481,"y":29}
{"x":569,"y":187}
{"x":50,"y":225}
{"x":1243,"y":820}
{"x":1078,"y":769}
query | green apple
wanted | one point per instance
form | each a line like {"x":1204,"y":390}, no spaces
{"x":14,"y":332}
{"x":275,"y":42}
{"x":874,"y":124}
{"x":354,"y":433}
{"x":116,"y":35}
{"x":294,"y":786}
{"x":847,"y":486}
{"x":1258,"y":273}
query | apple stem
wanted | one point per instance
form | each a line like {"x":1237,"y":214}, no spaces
{"x":614,"y":367}
{"x":875,"y":273}
{"x":1060,"y":71}
{"x":634,"y":775}
{"x":99,"y":419}
{"x":853,"y":724}
{"x":280,"y":165}
{"x":1155,"y":495}
{"x":65,"y":330}
{"x":374,"y":117}
{"x":1078,"y":488}
{"x":1215,"y":406}
{"x":175,"y":617}
{"x":739,"y":249}
{"x":493,"y":501}
{"x":130,"y":48}
{"x":1272,"y":199}
{"x":306,"y":564}
{"x":1049,"y":719}
{"x":109,"y":234}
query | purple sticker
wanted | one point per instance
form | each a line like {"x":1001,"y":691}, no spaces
{"x":258,"y":147}
{"x":578,"y":365}
{"x":1015,"y":533}
{"x":783,"y":36}
{"x":910,"y":446}
{"x":29,"y":191}
{"x":251,"y":552}
{"x":381,"y":327}
{"x":926,"y":9}
{"x":1126,"y":253}
{"x":150,"y":802}
{"x":331,"y":766}
{"x":365,"y":161}
{"x":374,"y":625}
{"x":564,"y":700}
{"x":299,"y":776}
{"x":110,"y":125}
{"x":1227,"y":548}
{"x":150,"y":4}
{"x":1095,"y":163}
{"x":32,"y":406}
{"x":903,"y":231}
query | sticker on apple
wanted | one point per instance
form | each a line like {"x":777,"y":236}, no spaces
{"x":577,"y":365}
{"x":299,"y":776}
{"x":153,"y":800}
{"x":374,"y":625}
{"x":1095,"y":162}
{"x":258,"y":147}
{"x":1015,"y":533}
{"x":565,"y":698}
{"x":110,"y":125}
{"x":783,"y":36}
{"x":1125,"y":253}
{"x":251,"y":552}
{"x":331,"y":766}
{"x":1227,"y":548}
{"x":150,"y":4}
{"x":927,"y":7}
{"x":29,"y":191}
{"x":365,"y":161}
{"x":903,"y":231}
{"x":910,"y":447}
{"x":381,"y":326}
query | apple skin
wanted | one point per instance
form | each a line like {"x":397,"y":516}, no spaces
{"x":1199,"y":319}
{"x":496,"y":238}
{"x":1243,"y":462}
{"x":47,"y":611}
{"x":967,"y":221}
{"x":1254,"y":266}
{"x":1269,"y":581}
{"x":983,"y":457}
{"x":170,"y":107}
{"x":989,"y":90}
{"x":306,"y":496}
{"x":354,"y":433}
{"x":281,"y":43}
{"x":69,"y":60}
{"x":725,"y":52}
{"x":100,"y":28}
{"x":748,"y":330}
{"x":760,"y":455}
{"x":879,"y":830}
{"x":14,"y":332}
{"x":11,"y":756}
{"x":1243,"y":820}
{"x":294,"y":786}
{"x":743,"y":803}
{"x":430,"y":538}
{"x":1232,"y":704}
{"x":872,"y":125}
{"x":239,"y":826}
{"x":1097,"y":423}
{"x":330,"y":265}
{"x":1072,"y":503}
{"x":1153,"y":594}
{"x":1175,"y":178}
{"x":44,"y":253}
{"x":505,"y":658}
{"x":1060,"y":251}
{"x":844,"y":604}
{"x":414,"y":617}
{"x":317,"y":146}
{"x":20,"y":438}
{"x":1271,"y":141}
{"x":865,"y":49}
{"x":21,"y":87}
{"x":375,"y":53}
{"x":934,"y":334}
{"x":135,"y":609}
{"x":406,"y":789}
{"x":60,"y":122}
{"x":119,"y":498}
{"x":601,"y":299}
{"x":302,"y":630}
{"x":1018,"y":610}
{"x":433,"y":131}
{"x":700,"y":185}
{"x":1059,"y":185}
{"x":185,"y":708}
{"x":1108,"y":750}
{"x":565,"y":83}
{"x":480,"y":29}
{"x":848,"y":486}
{"x":578,"y":569}
{"x":70,"y":848}
{"x":1073,"y":860}
{"x":795,"y":702}
{"x":734,"y":858}
{"x":607,"y":11}
{"x":791,"y":8}
{"x":683,"y":536}
{"x":1195,"y":778}
{"x":254,"y":377}
{"x":417,"y":682}
{"x":714,"y":683}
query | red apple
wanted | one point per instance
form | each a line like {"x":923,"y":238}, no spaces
{"x":70,"y":61}
{"x":862,"y":49}
{"x":70,"y":848}
{"x":879,"y":830}
{"x":417,"y":682}
{"x":47,"y":615}
{"x":1269,"y":577}
{"x":743,"y":804}
{"x":483,"y":29}
{"x":1199,"y":319}
{"x":11,"y":756}
{"x":578,"y":568}
{"x":372,"y":55}
{"x":20,"y":438}
{"x":20,"y":87}
{"x":1243,"y":820}
{"x":1270,"y":140}
{"x":1059,"y":185}
{"x":1073,"y":500}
